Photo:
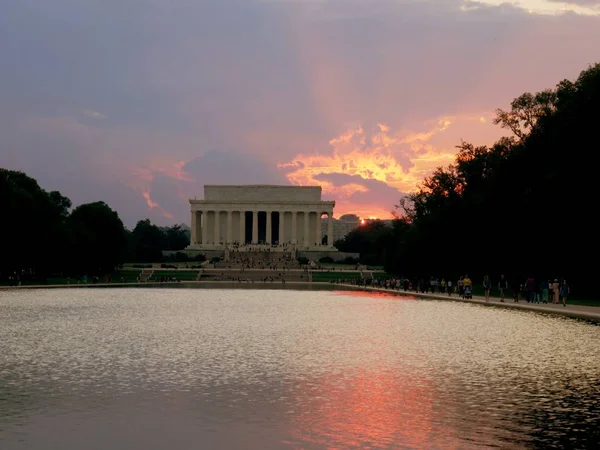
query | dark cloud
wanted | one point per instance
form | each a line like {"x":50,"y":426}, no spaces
{"x":90,"y":91}
{"x":233,"y":167}
{"x":171,"y":192}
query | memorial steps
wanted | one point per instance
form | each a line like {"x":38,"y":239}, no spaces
{"x":256,"y":266}
{"x":254,"y":275}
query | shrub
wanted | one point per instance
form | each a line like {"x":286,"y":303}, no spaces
{"x":350,"y":260}
{"x":303,"y":260}
{"x":326,"y":259}
{"x":181,"y":257}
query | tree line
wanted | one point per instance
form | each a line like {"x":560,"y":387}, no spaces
{"x":524,"y":206}
{"x":43,"y":236}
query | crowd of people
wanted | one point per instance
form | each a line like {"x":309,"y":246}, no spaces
{"x":262,"y":247}
{"x":261,"y":260}
{"x":528,"y":290}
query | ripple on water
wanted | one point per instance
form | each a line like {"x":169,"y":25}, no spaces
{"x":143,"y":368}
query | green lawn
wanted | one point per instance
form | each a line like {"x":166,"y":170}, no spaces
{"x":382,"y":276}
{"x":347,"y":266}
{"x":333,"y":276}
{"x":130,"y":276}
{"x":337,"y":265}
{"x":181,"y":275}
{"x":179,"y":265}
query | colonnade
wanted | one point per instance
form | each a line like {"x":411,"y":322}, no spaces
{"x":215,"y":226}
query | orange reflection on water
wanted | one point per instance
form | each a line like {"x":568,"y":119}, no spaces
{"x":369,"y":409}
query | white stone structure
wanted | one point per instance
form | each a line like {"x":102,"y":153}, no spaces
{"x":259,"y":214}
{"x":341,"y":226}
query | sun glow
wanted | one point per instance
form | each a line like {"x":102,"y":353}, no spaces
{"x":377,"y":159}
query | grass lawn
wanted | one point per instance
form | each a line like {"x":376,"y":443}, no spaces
{"x":337,"y":266}
{"x":179,"y":265}
{"x":347,"y":266}
{"x":382,"y":276}
{"x":333,"y":276}
{"x":130,"y":276}
{"x":182,"y":275}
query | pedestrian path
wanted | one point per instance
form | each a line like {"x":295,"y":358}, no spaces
{"x":577,"y":311}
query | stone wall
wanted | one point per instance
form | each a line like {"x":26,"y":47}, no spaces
{"x":311,"y":255}
{"x":262,"y":193}
{"x":192,"y":253}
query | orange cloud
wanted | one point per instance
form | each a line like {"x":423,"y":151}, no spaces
{"x":400,"y":158}
{"x":153,"y":205}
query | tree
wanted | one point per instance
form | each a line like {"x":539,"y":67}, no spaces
{"x":147,"y":242}
{"x":370,"y":240}
{"x":98,"y":239}
{"x":177,"y":238}
{"x":525,"y":112}
{"x":32,"y":226}
{"x":520,"y":206}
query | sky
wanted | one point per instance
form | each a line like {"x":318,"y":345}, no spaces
{"x":139,"y":103}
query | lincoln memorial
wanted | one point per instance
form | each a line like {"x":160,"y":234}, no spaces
{"x":260,"y":215}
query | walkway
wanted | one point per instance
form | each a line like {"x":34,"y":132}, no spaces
{"x":577,"y":311}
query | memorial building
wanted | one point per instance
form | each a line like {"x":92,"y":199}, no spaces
{"x":260,"y":215}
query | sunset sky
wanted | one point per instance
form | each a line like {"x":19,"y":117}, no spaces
{"x":141,"y":102}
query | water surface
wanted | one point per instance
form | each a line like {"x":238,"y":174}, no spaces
{"x":276,"y":369}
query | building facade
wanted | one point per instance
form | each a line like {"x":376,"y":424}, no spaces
{"x":231,"y":215}
{"x":342,"y":226}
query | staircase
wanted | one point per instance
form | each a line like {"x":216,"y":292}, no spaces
{"x":253,"y":275}
{"x":145,"y":275}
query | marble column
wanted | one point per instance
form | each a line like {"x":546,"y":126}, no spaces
{"x":193,"y":229}
{"x":242,"y":227}
{"x":217,"y":237}
{"x":330,"y":229}
{"x":294,"y":227}
{"x":204,"y":227}
{"x":269,"y":231}
{"x":255,"y":227}
{"x":306,"y":229}
{"x":229,"y":227}
{"x":318,"y":236}
{"x":198,"y":227}
{"x":281,"y":228}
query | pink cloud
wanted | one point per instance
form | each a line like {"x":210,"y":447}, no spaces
{"x":301,"y":91}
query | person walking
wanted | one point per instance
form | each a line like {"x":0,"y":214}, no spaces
{"x":564,"y":292}
{"x":467,"y":287}
{"x":555,"y":291}
{"x":502,"y":287}
{"x":545,"y":291}
{"x":487,"y":286}
{"x":530,"y":290}
{"x":516,"y":288}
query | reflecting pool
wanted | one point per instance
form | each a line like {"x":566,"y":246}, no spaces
{"x":269,"y":369}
